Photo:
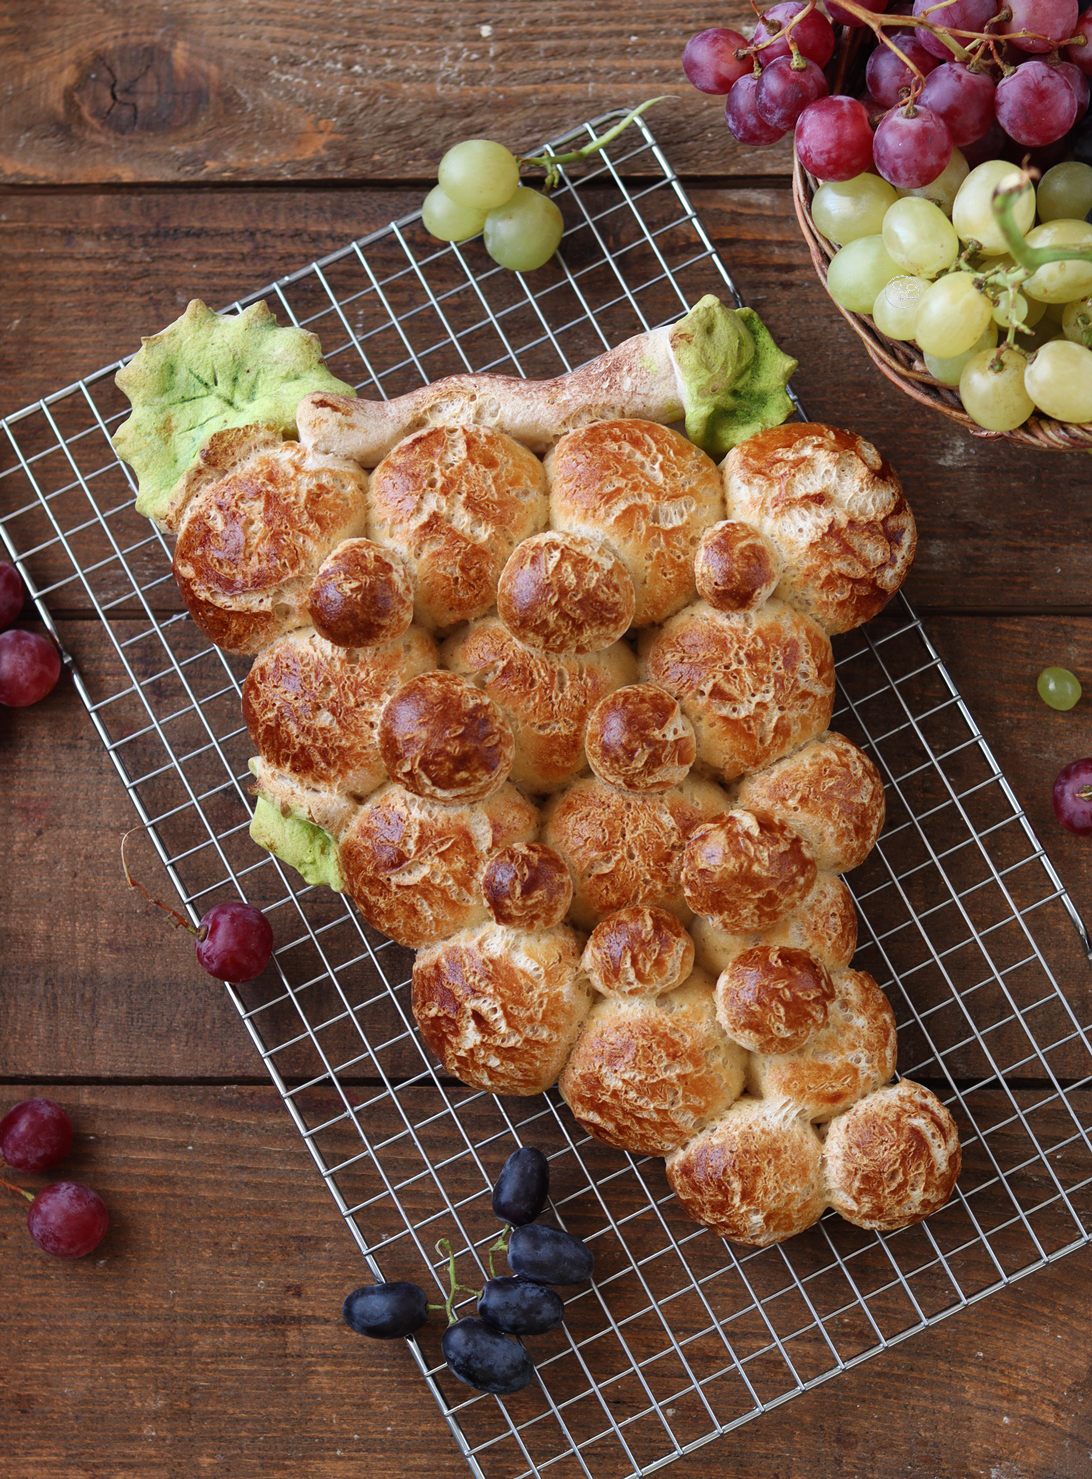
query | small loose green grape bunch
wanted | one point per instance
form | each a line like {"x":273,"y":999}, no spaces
{"x":479,"y":190}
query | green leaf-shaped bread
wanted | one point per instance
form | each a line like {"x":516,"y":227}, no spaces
{"x":206,"y":373}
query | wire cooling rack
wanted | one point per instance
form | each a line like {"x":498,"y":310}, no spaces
{"x":681,"y":1337}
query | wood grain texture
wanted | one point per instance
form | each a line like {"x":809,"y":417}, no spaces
{"x":337,"y":91}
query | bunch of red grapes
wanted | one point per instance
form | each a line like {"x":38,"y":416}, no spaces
{"x":66,"y":1218}
{"x":994,"y":80}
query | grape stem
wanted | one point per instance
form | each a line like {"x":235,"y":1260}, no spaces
{"x":445,"y":1250}
{"x":500,"y":1246}
{"x":18,"y":1190}
{"x":181,"y":922}
{"x":552,"y":163}
{"x":1028,"y":257}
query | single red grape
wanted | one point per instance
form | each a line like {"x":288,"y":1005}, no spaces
{"x":1036,"y":104}
{"x":1055,"y":20}
{"x":784,"y":91}
{"x":956,"y":15}
{"x":834,"y":139}
{"x":887,"y":75}
{"x":35,"y":1135}
{"x":1081,"y":56}
{"x":741,"y":115}
{"x":964,"y":99}
{"x":843,"y":17}
{"x":11,"y":594}
{"x":814,"y":35}
{"x":68,"y":1220}
{"x":911,"y":150}
{"x":234,"y":942}
{"x":1072,"y":797}
{"x":710,"y":60}
{"x":29,"y":667}
{"x":1077,"y":81}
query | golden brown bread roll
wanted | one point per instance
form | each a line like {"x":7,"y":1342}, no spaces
{"x":441,"y":737}
{"x":527,"y":885}
{"x":892,"y":1159}
{"x":546,"y":697}
{"x":313,"y":709}
{"x":646,"y":490}
{"x":623,"y":847}
{"x":647,"y":1073}
{"x":563,"y":593}
{"x":834,"y":509}
{"x":638,"y":951}
{"x":851,"y":1055}
{"x":639,"y":739}
{"x":413,"y":866}
{"x":830,"y":793}
{"x":501,"y":1007}
{"x":824,"y":924}
{"x":753,"y":1175}
{"x":736,"y":568}
{"x":250,"y":541}
{"x":754,"y":684}
{"x":745,"y":872}
{"x":361,"y":595}
{"x":454,"y":502}
{"x":772,"y":999}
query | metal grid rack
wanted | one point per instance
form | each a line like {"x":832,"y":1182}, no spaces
{"x":682,"y":1337}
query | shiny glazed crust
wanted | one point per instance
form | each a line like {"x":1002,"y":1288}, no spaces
{"x":563,"y":593}
{"x":638,"y":951}
{"x":361,"y":595}
{"x":441,"y":737}
{"x":639,"y":739}
{"x":746,"y":872}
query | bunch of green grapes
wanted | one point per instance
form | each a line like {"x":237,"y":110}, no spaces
{"x":480,"y":191}
{"x":932,"y":267}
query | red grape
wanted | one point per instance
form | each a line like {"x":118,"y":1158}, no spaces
{"x":1077,"y":81}
{"x":956,"y":15}
{"x":35,"y":1135}
{"x":911,"y":150}
{"x":29,"y":667}
{"x":887,"y":75}
{"x":1072,"y":797}
{"x":834,"y":139}
{"x":964,"y":99}
{"x":814,"y":35}
{"x":843,"y":17}
{"x":1081,"y":56}
{"x":1036,"y":104}
{"x":68,"y":1220}
{"x":784,"y":91}
{"x":741,"y":115}
{"x":1054,"y":19}
{"x":11,"y":595}
{"x":710,"y":60}
{"x":235,"y":942}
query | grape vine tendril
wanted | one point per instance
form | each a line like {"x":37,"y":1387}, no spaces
{"x":551,"y":162}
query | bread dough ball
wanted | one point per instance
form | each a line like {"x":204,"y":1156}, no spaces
{"x":772,"y":999}
{"x":736,"y":568}
{"x":527,"y":885}
{"x":361,"y":595}
{"x":639,"y":739}
{"x":745,"y":872}
{"x":824,"y":924}
{"x":439,"y":736}
{"x":563,"y":593}
{"x":638,"y":951}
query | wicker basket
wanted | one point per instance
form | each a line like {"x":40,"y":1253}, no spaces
{"x":903,"y":364}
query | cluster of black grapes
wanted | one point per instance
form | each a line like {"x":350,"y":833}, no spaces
{"x":477,"y":1348}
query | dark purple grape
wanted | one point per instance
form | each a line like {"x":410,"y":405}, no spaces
{"x":964,"y":99}
{"x":35,"y":1135}
{"x":11,"y":595}
{"x":235,"y":942}
{"x":485,"y":1359}
{"x":29,"y":667}
{"x":68,"y":1220}
{"x":710,"y":62}
{"x":1072,"y":802}
{"x":741,"y":116}
{"x":520,"y":1306}
{"x":1077,"y":81}
{"x":784,"y":91}
{"x":887,"y":75}
{"x":814,"y":34}
{"x":385,"y":1311}
{"x":547,"y":1255}
{"x":522,"y":1187}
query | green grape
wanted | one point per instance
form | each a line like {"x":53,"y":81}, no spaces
{"x":1025,"y":311}
{"x":943,"y":190}
{"x":1077,"y":321}
{"x":1059,"y":689}
{"x":843,"y":210}
{"x":445,"y":219}
{"x":896,"y":306}
{"x":524,"y":233}
{"x":951,"y":316}
{"x":972,"y":213}
{"x":858,"y":272}
{"x":1059,"y":381}
{"x":991,"y":388}
{"x":919,"y":237}
{"x":948,"y":371}
{"x":1065,"y":192}
{"x":1060,"y":282}
{"x":479,"y":174}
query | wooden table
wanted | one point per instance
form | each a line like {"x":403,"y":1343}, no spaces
{"x":151,"y":154}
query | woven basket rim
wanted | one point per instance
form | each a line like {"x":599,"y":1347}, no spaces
{"x":903,"y":365}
